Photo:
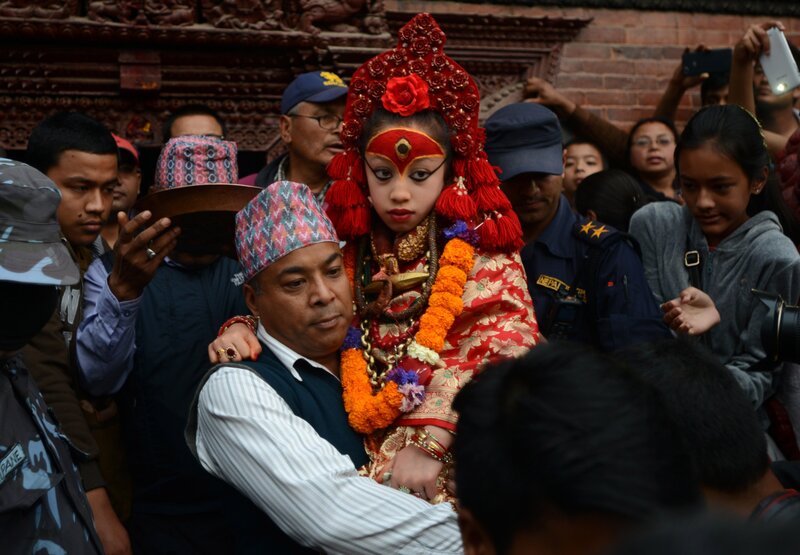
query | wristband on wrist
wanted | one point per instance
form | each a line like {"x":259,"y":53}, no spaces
{"x":426,"y":441}
{"x":249,"y":321}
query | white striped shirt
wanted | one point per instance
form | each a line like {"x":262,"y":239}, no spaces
{"x":248,"y":436}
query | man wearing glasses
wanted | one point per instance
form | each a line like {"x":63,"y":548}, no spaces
{"x":311,"y":119}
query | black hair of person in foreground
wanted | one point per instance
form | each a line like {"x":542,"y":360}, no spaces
{"x":723,"y":433}
{"x":561,"y":452}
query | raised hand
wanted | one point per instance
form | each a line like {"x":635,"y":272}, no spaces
{"x":137,"y":257}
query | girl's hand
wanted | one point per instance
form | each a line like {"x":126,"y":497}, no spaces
{"x":238,"y":341}
{"x":415,"y":469}
{"x":692,"y":312}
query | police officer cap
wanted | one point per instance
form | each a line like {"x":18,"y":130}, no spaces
{"x":524,"y":138}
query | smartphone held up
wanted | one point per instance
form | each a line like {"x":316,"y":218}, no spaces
{"x":779,"y":65}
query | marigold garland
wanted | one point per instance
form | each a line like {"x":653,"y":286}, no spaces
{"x":401,"y":392}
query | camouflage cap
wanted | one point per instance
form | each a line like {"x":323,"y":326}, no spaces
{"x":31,"y":250}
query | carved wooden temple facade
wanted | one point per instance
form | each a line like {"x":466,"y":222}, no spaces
{"x":129,"y":63}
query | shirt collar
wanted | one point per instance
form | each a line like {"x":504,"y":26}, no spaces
{"x":557,"y":236}
{"x":285,"y":355}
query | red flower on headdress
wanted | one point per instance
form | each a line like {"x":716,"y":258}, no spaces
{"x":439,"y":62}
{"x":463,"y":144}
{"x":376,"y":89}
{"x":459,"y":121}
{"x":406,"y":95}
{"x":447,"y":101}
{"x":469,"y":102}
{"x":437,"y":81}
{"x":418,"y":66}
{"x":420,"y":46}
{"x":376,"y":68}
{"x":351,"y":130}
{"x":396,"y":56}
{"x":459,"y":80}
{"x":362,"y":106}
{"x":359,"y":86}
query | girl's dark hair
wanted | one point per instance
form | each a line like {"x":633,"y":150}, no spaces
{"x":428,"y":119}
{"x":611,"y":194}
{"x":567,"y":429}
{"x":736,"y":133}
{"x":655,"y":119}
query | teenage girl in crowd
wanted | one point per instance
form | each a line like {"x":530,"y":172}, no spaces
{"x":432,"y":253}
{"x":651,"y":146}
{"x":725,"y":241}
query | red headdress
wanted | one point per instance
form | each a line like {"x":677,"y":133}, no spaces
{"x":414,"y":76}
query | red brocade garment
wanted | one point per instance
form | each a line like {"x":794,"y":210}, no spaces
{"x":497,"y":322}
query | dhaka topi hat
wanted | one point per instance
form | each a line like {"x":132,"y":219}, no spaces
{"x":315,"y":86}
{"x":31,"y":249}
{"x":283,"y":217}
{"x":524,"y":138}
{"x":196,"y":160}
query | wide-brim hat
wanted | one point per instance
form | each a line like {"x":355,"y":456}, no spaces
{"x":196,"y":187}
{"x":31,"y":246}
{"x":525,"y":138}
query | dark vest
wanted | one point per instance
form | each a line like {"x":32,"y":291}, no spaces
{"x":318,"y":401}
{"x":179,"y":314}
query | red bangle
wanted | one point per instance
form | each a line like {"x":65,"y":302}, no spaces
{"x":249,"y":321}
{"x":426,"y":441}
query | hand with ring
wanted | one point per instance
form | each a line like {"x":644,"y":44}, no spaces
{"x":138,"y":253}
{"x":223,"y":354}
{"x":236,"y":343}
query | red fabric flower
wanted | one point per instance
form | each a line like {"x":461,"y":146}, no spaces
{"x":406,"y":95}
{"x":362,"y":106}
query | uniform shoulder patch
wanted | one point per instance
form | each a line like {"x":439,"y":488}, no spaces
{"x":592,"y":232}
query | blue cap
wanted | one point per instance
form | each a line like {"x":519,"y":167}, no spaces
{"x":524,"y":138}
{"x":315,"y":86}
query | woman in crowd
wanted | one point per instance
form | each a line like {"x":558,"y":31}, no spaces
{"x":724,"y":242}
{"x":581,"y":159}
{"x":610,"y":197}
{"x":432,"y":253}
{"x":651,"y":146}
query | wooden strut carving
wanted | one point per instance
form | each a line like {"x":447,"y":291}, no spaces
{"x":149,"y":57}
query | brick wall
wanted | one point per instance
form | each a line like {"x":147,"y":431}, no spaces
{"x":619,"y":65}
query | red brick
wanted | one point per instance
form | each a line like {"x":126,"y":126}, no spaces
{"x":658,"y":19}
{"x":648,"y":98}
{"x":610,"y":98}
{"x":616,"y":18}
{"x":651,"y":37}
{"x":606,"y":35}
{"x":623,"y":82}
{"x":579,"y":81}
{"x":599,"y":67}
{"x":584,"y":50}
{"x":654,"y":68}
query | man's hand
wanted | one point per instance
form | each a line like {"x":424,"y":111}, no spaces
{"x":137,"y":257}
{"x":238,"y":337}
{"x":692,"y":312}
{"x":541,"y":92}
{"x":754,"y":42}
{"x":683,"y":82}
{"x":112,"y":533}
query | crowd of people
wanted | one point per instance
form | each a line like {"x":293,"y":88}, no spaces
{"x":413,"y":332}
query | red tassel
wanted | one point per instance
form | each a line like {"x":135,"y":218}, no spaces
{"x":490,"y":199}
{"x":342,"y":165}
{"x":455,"y":204}
{"x":488,"y":235}
{"x":354,"y":223}
{"x":509,"y":232}
{"x":348,"y":209}
{"x":480,"y":173}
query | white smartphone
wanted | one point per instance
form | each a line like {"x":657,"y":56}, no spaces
{"x":779,"y":66}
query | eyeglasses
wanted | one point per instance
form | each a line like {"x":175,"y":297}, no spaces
{"x":646,"y":142}
{"x":329,"y":122}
